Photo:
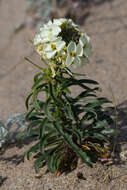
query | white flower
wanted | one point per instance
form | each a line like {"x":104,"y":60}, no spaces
{"x":48,"y":32}
{"x":56,"y":43}
{"x":73,"y":24}
{"x":52,"y":48}
{"x":86,"y":44}
{"x":74,"y":53}
{"x":37,"y":39}
{"x":59,"y":21}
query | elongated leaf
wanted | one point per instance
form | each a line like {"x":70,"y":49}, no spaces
{"x":38,"y":163}
{"x":87,"y":109}
{"x":107,"y":131}
{"x":36,"y":77}
{"x":46,"y":108}
{"x":99,"y":137}
{"x":54,"y":158}
{"x":68,"y":139}
{"x":100,"y":124}
{"x":34,"y":124}
{"x":73,"y":74}
{"x":42,"y":127}
{"x":43,"y":141}
{"x":33,"y":149}
{"x":84,"y":94}
{"x":29,"y":113}
{"x":27,"y":100}
{"x":78,"y":133}
{"x":80,"y":83}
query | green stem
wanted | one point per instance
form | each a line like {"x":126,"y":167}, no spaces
{"x":40,"y":68}
{"x":116,"y":123}
{"x":44,"y":61}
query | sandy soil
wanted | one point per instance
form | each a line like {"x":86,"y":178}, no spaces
{"x":107,"y":26}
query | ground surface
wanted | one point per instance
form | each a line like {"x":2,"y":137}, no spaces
{"x":107,"y":26}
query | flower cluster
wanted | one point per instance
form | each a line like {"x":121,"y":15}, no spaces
{"x":62,"y":43}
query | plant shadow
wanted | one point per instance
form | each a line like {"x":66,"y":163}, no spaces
{"x":15,"y":158}
{"x":79,"y":10}
{"x":120,"y":141}
{"x":122,"y":121}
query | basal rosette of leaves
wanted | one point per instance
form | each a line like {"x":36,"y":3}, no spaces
{"x":65,"y":127}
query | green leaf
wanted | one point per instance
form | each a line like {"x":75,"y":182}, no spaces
{"x":69,"y":112}
{"x":99,"y":137}
{"x":80,"y":83}
{"x":36,"y":77}
{"x":35,"y":102}
{"x":42,"y":127}
{"x":43,"y":141}
{"x":107,"y":131}
{"x":38,"y":163}
{"x":27,"y":100}
{"x":54,"y":158}
{"x":46,"y":108}
{"x":32,"y":150}
{"x":68,"y":139}
{"x":100,"y":124}
{"x":78,"y":133}
{"x":29,"y":113}
{"x":33,"y":124}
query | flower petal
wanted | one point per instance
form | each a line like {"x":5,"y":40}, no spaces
{"x":55,"y":29}
{"x":79,"y":50}
{"x":69,"y":60}
{"x":77,"y":60}
{"x":37,"y":39}
{"x":47,"y":48}
{"x":71,"y":47}
{"x":60,"y":45}
{"x":59,"y":21}
{"x":87,"y":51}
{"x":53,"y":70}
{"x":50,"y":54}
{"x":83,"y":40}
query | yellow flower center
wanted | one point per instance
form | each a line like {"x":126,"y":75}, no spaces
{"x":53,"y":47}
{"x":40,"y":48}
{"x":73,"y":54}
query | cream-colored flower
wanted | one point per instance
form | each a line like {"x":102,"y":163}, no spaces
{"x":59,"y":21}
{"x":37,"y":39}
{"x":74,"y":52}
{"x":47,"y":33}
{"x":52,"y":48}
{"x":56,"y":43}
{"x":86,"y":44}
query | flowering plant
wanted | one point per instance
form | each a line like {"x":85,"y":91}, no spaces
{"x":65,"y":127}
